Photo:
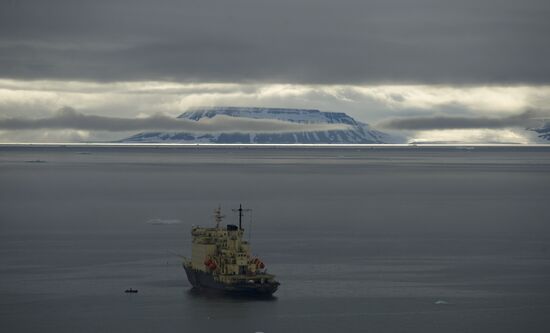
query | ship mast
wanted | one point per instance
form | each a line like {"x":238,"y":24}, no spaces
{"x":241,"y":210}
{"x":218,"y":217}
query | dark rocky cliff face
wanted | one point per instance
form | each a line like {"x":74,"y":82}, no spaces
{"x":543,"y":131}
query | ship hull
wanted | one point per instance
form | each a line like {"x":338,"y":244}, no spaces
{"x":204,"y":280}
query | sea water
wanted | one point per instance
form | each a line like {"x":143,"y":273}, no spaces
{"x":414,"y":239}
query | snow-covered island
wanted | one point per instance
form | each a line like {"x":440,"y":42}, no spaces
{"x":543,"y":131}
{"x":356,"y":132}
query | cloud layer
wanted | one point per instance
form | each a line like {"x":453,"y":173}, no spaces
{"x":372,"y":104}
{"x":68,"y":118}
{"x":525,"y":119}
{"x":285,"y":41}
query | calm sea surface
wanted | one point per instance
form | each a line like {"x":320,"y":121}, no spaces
{"x":362,"y":240}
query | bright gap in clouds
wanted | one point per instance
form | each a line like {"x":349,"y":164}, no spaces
{"x":367,"y":103}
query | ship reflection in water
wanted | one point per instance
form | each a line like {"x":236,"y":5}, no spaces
{"x":217,"y":295}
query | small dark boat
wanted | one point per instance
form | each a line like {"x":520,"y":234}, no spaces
{"x":131,"y":291}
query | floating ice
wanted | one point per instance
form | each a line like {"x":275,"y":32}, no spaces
{"x":163,"y":222}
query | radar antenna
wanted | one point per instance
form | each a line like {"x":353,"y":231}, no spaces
{"x":241,"y":210}
{"x":218,"y":217}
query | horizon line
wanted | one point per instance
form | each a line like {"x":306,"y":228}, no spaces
{"x":262,"y":145}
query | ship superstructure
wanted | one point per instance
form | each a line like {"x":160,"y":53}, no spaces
{"x":221,"y":260}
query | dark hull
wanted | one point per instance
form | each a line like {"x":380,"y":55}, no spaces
{"x":200,"y":280}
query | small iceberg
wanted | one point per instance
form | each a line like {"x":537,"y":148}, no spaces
{"x":441,"y":302}
{"x":163,"y":222}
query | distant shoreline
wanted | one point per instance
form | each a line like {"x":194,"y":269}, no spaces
{"x":252,"y":146}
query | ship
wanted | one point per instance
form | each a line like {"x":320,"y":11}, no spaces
{"x":221,"y":260}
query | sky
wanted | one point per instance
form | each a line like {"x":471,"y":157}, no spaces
{"x":471,"y":70}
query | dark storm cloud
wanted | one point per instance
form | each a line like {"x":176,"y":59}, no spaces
{"x":68,"y":118}
{"x":525,"y":119}
{"x":321,"y":41}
